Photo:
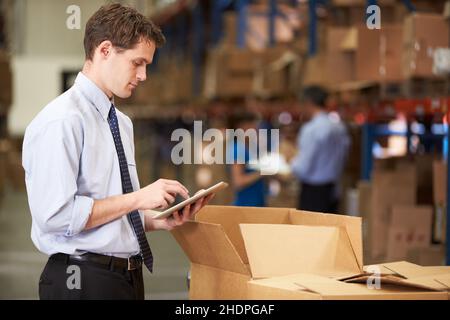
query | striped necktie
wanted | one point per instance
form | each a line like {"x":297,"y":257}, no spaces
{"x":133,"y":217}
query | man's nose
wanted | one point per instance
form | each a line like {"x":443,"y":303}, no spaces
{"x":142,"y":73}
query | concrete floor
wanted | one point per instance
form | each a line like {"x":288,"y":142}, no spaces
{"x":21,"y":264}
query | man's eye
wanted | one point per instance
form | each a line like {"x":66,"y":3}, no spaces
{"x":135,"y":64}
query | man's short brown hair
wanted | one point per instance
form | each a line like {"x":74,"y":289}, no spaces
{"x":123,"y":26}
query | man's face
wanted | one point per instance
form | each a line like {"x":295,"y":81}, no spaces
{"x":124,"y":69}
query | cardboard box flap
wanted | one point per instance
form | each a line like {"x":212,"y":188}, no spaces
{"x":437,"y":282}
{"x":378,"y":268}
{"x":353,"y":226}
{"x":444,"y":280}
{"x":333,"y":289}
{"x":426,"y":283}
{"x":276,"y":250}
{"x":410,"y":270}
{"x":229,"y":217}
{"x":437,"y":269}
{"x":207,"y":244}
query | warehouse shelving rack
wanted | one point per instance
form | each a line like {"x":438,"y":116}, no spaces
{"x":412,"y":108}
{"x":370,"y":130}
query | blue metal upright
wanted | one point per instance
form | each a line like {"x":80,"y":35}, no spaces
{"x":409,"y":5}
{"x":447,"y":260}
{"x":368,"y":136}
{"x":241,"y":7}
{"x":216,"y":20}
{"x":312,"y":50}
{"x":199,"y":43}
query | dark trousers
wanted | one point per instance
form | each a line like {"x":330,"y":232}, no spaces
{"x":64,"y":279}
{"x":319,"y":198}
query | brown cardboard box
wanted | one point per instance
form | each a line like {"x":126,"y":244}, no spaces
{"x":229,"y":72}
{"x":340,"y":64}
{"x":277,"y":71}
{"x":352,"y":3}
{"x":365,"y":193}
{"x":422,"y":34}
{"x":429,"y":256}
{"x":424,"y":167}
{"x":235,"y":247}
{"x":315,"y":287}
{"x":378,"y":55}
{"x":440,"y":224}
{"x":410,"y":228}
{"x":257,"y":24}
{"x":439,"y":182}
{"x":389,"y":188}
{"x":273,"y":253}
{"x":314,"y":73}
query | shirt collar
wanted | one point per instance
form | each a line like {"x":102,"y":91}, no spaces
{"x":94,"y":95}
{"x":319,"y":115}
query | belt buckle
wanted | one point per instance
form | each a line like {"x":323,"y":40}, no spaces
{"x":130,"y":265}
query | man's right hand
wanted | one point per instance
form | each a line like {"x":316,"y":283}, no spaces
{"x":160,"y":194}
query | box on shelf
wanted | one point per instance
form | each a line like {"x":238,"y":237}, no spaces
{"x":439,"y":182}
{"x":410,"y":228}
{"x":433,"y":255}
{"x":277,"y":71}
{"x":423,"y":33}
{"x":440,"y":223}
{"x":340,"y":65}
{"x":378,"y":54}
{"x":229,"y":72}
{"x":389,"y":188}
{"x":257,"y":26}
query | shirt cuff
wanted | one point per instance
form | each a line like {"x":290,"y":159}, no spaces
{"x":82,"y":208}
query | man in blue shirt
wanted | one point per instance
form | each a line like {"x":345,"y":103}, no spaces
{"x":323,"y":144}
{"x":89,"y":213}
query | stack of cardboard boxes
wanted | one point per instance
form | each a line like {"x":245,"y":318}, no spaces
{"x":233,"y":72}
{"x":400,"y":221}
{"x":276,"y":253}
{"x":402,"y":49}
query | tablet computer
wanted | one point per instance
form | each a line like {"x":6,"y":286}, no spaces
{"x":164,"y":214}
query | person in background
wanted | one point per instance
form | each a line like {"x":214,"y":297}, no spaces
{"x":248,"y":184}
{"x":323,"y":145}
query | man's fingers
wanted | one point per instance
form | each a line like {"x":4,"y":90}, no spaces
{"x":176,"y":217}
{"x":169,"y":198}
{"x":176,"y":189}
{"x":175,"y":183}
{"x":186,"y":212}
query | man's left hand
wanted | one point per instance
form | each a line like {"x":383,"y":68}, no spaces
{"x":178,"y":218}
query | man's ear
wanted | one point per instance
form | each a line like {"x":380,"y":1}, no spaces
{"x":104,"y":49}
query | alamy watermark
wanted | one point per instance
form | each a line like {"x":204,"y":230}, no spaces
{"x":374,"y":280}
{"x":73,"y":21}
{"x":373,"y":17}
{"x":74,"y":279}
{"x":257,"y":141}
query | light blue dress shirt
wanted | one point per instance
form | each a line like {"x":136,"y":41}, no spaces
{"x":323,"y":144}
{"x":70,"y":160}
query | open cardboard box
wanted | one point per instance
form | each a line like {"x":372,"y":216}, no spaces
{"x":273,"y":253}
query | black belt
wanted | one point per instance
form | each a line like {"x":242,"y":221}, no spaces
{"x":102,"y":261}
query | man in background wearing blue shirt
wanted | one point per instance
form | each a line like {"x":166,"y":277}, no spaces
{"x":88,"y":211}
{"x":323,"y":144}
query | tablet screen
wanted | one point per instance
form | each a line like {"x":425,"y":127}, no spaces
{"x":178,"y":206}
